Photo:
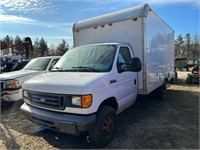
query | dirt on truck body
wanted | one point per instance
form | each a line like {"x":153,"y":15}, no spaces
{"x":171,"y":123}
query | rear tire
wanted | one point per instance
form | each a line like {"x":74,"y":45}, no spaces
{"x":188,"y":80}
{"x":159,"y":93}
{"x":105,"y":126}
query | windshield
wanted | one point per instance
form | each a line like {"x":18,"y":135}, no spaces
{"x":38,"y":64}
{"x":93,"y":58}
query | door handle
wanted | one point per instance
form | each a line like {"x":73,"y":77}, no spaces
{"x":135,"y":81}
{"x":113,"y":81}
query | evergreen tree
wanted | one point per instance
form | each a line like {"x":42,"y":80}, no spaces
{"x":9,"y":42}
{"x":36,"y":47}
{"x":40,"y":47}
{"x":62,"y":48}
{"x":43,"y":47}
{"x":18,"y":45}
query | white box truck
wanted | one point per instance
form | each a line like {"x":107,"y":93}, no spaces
{"x":115,"y":57}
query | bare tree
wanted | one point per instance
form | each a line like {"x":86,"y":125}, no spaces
{"x":187,"y":44}
{"x":52,"y":50}
{"x":179,"y":46}
{"x":195,"y":49}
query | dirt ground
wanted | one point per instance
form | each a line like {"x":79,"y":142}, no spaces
{"x":172,"y":123}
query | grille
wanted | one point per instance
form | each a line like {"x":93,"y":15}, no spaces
{"x":53,"y":101}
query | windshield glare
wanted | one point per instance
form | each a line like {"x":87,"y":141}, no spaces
{"x":94,"y":58}
{"x":38,"y":64}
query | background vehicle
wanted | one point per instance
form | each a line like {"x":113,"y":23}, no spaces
{"x":19,"y":65}
{"x":189,"y":64}
{"x":194,"y":75}
{"x":2,"y":63}
{"x":11,"y":82}
{"x":116,"y":57}
{"x":180,"y":62}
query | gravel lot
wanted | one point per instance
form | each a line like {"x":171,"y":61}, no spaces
{"x":172,"y":123}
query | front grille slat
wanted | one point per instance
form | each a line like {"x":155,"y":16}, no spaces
{"x":53,"y":101}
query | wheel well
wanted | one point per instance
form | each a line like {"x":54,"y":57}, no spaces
{"x":110,"y":102}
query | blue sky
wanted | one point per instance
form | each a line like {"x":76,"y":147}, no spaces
{"x":53,"y":19}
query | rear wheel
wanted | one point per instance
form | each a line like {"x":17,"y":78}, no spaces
{"x":159,"y":93}
{"x":188,"y":80}
{"x":105,"y":126}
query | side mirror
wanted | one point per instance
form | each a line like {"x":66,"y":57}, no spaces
{"x":136,"y":64}
{"x":122,"y":67}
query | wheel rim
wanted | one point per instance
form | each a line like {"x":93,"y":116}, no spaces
{"x":108,"y":126}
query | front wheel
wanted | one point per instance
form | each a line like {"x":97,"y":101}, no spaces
{"x":105,"y":126}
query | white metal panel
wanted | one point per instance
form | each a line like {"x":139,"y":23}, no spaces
{"x":159,"y":51}
{"x":134,"y":12}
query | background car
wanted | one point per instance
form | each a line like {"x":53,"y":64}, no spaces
{"x":11,"y":82}
{"x":19,"y":65}
{"x":189,"y":64}
{"x":2,"y":63}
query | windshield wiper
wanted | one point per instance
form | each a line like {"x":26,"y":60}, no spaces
{"x":83,"y":68}
{"x":34,"y":69}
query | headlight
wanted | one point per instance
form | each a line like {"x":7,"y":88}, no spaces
{"x":11,"y":84}
{"x":76,"y":100}
{"x":84,"y":101}
{"x":25,"y":94}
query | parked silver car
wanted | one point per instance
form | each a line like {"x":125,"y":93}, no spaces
{"x":11,"y":82}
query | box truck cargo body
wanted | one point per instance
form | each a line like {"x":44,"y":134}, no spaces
{"x":151,"y":39}
{"x":115,"y":57}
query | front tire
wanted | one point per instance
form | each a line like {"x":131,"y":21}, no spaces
{"x":105,"y":126}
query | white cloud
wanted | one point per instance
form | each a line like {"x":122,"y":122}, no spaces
{"x":15,"y":19}
{"x":25,"y":5}
{"x":1,"y":11}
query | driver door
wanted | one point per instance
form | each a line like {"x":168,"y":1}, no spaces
{"x":126,"y":79}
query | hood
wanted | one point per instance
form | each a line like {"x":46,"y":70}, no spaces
{"x":18,"y":74}
{"x":61,"y":82}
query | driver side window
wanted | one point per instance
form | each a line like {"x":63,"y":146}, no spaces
{"x":124,"y":58}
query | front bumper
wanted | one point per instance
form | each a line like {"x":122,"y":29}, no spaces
{"x":14,"y":95}
{"x":63,"y":122}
